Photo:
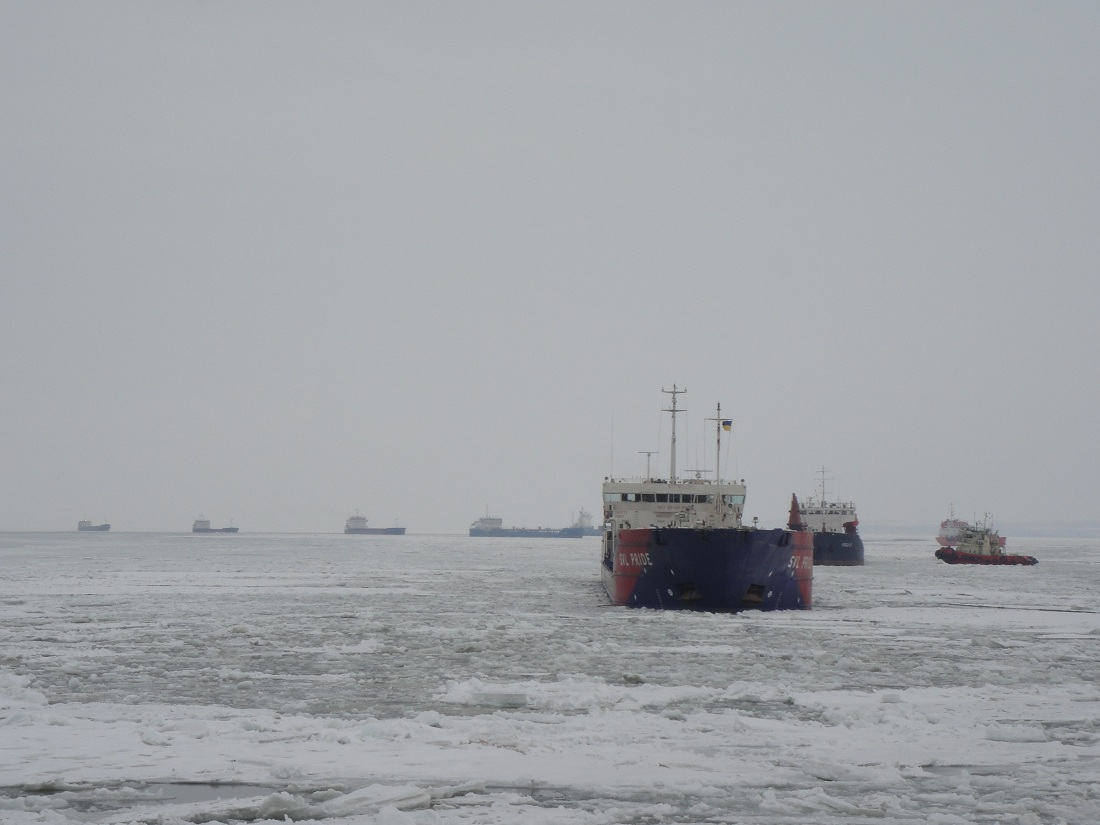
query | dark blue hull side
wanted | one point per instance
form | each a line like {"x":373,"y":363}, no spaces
{"x":838,"y":549}
{"x":725,"y":570}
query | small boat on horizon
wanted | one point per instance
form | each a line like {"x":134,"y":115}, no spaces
{"x":85,"y":526}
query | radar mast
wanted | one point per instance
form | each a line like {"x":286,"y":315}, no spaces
{"x":672,"y":463}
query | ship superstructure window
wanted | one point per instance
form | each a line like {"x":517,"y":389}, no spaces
{"x":647,"y":496}
{"x":733,"y":499}
{"x":662,"y":498}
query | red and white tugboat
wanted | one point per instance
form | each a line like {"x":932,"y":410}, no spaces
{"x":979,"y":544}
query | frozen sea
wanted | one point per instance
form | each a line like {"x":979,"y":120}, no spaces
{"x":161,"y":678}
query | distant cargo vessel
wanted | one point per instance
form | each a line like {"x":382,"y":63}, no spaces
{"x":357,"y":525}
{"x":981,"y":544}
{"x":86,"y":526}
{"x":202,"y":525}
{"x":585,"y":525}
{"x":679,"y":544}
{"x":489,"y":527}
{"x":835,"y":527}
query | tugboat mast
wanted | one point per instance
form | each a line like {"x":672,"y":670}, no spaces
{"x":673,"y":392}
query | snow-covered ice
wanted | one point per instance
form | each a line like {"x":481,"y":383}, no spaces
{"x":356,"y":679}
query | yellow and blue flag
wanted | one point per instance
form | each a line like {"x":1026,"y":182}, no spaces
{"x":727,"y":424}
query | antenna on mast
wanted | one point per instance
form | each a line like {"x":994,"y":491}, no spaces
{"x":647,"y":454}
{"x":672,"y":463}
{"x":823,"y":485}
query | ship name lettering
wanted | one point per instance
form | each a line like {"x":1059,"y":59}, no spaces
{"x":801,"y":562}
{"x":633,"y":559}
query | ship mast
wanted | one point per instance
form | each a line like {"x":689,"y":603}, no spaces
{"x":672,"y":465}
{"x":822,"y":485}
{"x":717,"y":445}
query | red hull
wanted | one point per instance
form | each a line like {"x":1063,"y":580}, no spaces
{"x":952,"y":556}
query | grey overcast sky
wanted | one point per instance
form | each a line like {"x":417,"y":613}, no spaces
{"x":273,"y":262}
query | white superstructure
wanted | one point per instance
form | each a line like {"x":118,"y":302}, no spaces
{"x":673,"y":502}
{"x":826,"y":517}
{"x":822,"y":516}
{"x":488,"y":523}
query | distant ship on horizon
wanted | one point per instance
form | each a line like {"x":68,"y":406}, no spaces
{"x":585,"y":525}
{"x":490,"y":527}
{"x":85,"y":526}
{"x":202,"y":525}
{"x":357,"y":525}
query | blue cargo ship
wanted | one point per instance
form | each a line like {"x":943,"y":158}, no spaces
{"x":835,"y":527}
{"x":680,"y":544}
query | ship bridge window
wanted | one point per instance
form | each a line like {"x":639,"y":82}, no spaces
{"x":733,"y":499}
{"x":662,"y":498}
{"x":674,"y":498}
{"x":701,"y":499}
{"x":611,"y":497}
{"x":647,"y":496}
{"x":630,"y":496}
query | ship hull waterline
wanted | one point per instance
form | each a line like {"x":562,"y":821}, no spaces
{"x":374,"y":531}
{"x":714,"y":570}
